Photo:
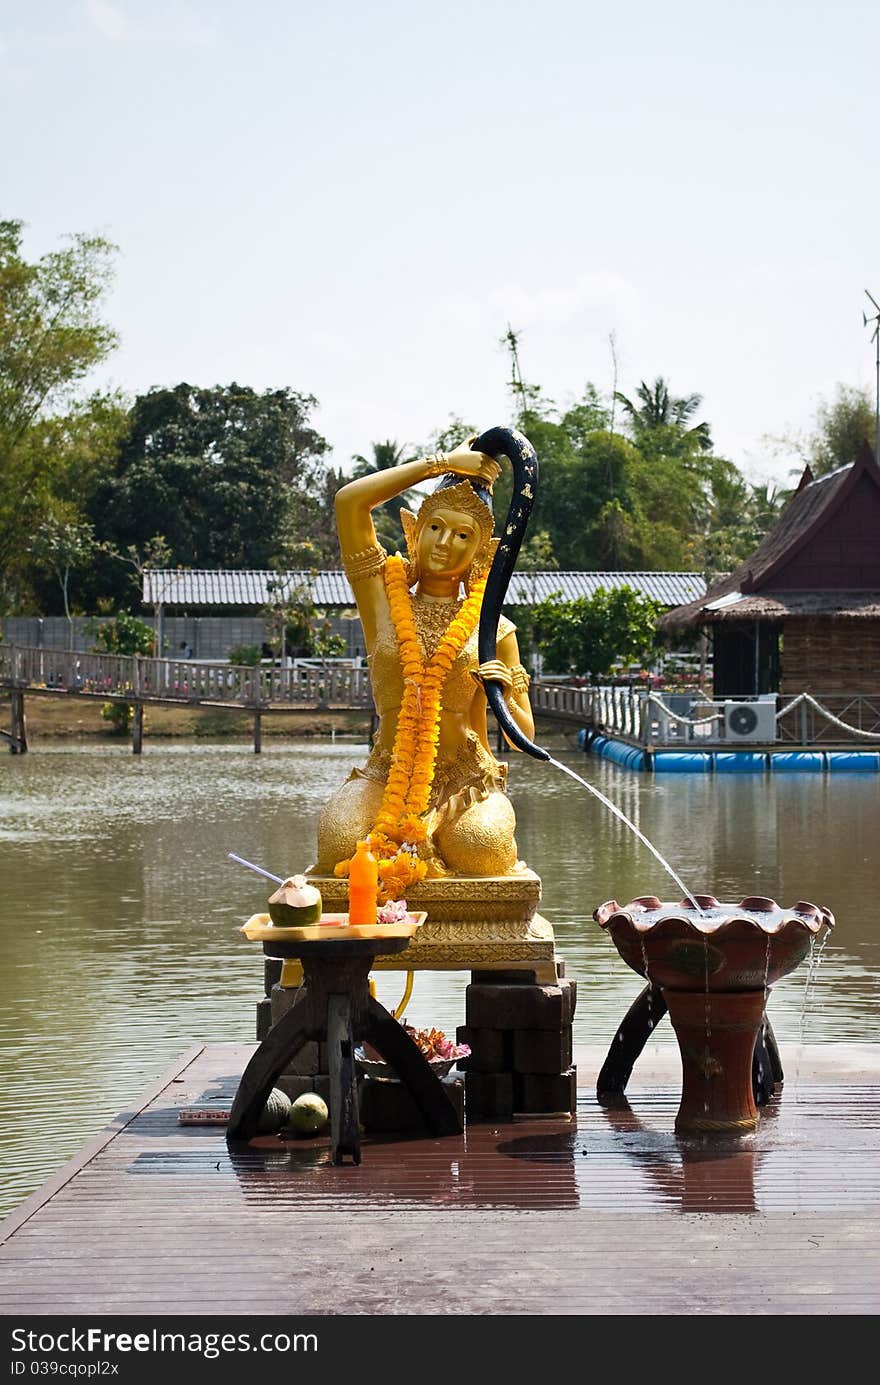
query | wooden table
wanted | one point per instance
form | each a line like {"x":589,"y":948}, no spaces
{"x":334,"y":1005}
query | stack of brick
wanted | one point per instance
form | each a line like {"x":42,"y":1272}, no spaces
{"x":520,"y":1036}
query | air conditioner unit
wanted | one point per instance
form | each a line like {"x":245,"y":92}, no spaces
{"x":750,"y":721}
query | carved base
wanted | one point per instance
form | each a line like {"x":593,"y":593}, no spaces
{"x":486,"y":923}
{"x":456,"y":898}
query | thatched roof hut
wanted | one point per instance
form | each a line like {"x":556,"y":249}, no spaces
{"x":802,"y":613}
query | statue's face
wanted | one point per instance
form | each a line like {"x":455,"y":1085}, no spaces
{"x":448,"y":543}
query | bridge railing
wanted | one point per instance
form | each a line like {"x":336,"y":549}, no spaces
{"x":117,"y":676}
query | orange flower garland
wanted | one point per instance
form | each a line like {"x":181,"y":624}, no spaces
{"x":399,"y":825}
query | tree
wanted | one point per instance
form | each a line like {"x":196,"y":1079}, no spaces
{"x":51,"y":336}
{"x":295,"y":624}
{"x":124,"y":634}
{"x":842,"y":426}
{"x":666,"y":415}
{"x":739,"y":516}
{"x":230,"y":477}
{"x":64,"y":545}
{"x":386,"y":518}
{"x":589,"y":634}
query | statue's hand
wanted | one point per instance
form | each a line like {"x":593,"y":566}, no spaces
{"x":479,"y":466}
{"x":496,"y":670}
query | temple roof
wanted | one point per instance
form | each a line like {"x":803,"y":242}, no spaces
{"x":232,"y":587}
{"x":822,"y":557}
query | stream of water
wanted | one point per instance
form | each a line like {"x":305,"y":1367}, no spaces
{"x":612,"y":807}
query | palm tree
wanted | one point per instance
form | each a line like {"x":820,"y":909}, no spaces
{"x":386,"y":518}
{"x":660,"y":409}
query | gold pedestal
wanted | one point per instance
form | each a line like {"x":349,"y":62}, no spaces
{"x":474,"y":923}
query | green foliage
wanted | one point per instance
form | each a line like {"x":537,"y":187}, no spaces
{"x":227,"y":476}
{"x":589,"y":634}
{"x":843,"y":425}
{"x":50,"y":338}
{"x":63,"y":546}
{"x":296,"y":629}
{"x":386,"y":518}
{"x":124,"y":634}
{"x":326,"y":644}
{"x":244,"y":655}
{"x":119,"y":715}
{"x":536,"y":554}
{"x":659,"y":420}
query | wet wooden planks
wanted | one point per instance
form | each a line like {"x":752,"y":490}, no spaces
{"x":611,"y":1214}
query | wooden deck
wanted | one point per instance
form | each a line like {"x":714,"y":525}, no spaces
{"x":610,"y":1214}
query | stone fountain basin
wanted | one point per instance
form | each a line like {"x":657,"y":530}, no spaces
{"x":729,"y":947}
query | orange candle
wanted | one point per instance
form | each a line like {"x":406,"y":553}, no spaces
{"x":363,"y":885}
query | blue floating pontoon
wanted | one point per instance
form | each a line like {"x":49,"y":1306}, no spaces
{"x":682,"y":762}
{"x":731,"y":761}
{"x":797,"y":761}
{"x":849,"y":760}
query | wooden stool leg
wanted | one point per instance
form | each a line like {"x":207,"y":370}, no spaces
{"x":773,"y":1052}
{"x":762,"y":1068}
{"x":636,"y":1028}
{"x":344,"y":1129}
{"x":283,"y":1042}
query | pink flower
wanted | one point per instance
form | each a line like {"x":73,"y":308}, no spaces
{"x":394,"y":911}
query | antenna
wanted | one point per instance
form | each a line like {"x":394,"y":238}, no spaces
{"x":875,"y":338}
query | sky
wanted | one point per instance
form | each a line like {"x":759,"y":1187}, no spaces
{"x":355,"y":200}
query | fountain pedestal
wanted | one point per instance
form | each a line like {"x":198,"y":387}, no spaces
{"x":714,"y":966}
{"x":716,"y":1038}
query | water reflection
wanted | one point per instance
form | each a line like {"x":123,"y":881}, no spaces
{"x":121,"y":911}
{"x":691,"y":1174}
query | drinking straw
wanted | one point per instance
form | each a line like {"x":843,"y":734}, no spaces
{"x":259,"y":869}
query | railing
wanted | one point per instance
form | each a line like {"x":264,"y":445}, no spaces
{"x":121,"y":677}
{"x":647,"y":718}
{"x":562,"y":702}
{"x":807,"y":719}
{"x":820,"y":719}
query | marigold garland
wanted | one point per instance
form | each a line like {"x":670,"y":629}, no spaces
{"x":399,"y":827}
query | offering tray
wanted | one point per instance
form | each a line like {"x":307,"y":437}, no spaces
{"x":260,"y":929}
{"x":334,"y":1006}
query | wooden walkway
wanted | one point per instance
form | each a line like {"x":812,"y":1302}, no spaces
{"x":606,"y":1215}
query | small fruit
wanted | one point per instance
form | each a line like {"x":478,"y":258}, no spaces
{"x":308,"y":1114}
{"x":274,"y":1113}
{"x":295,"y":904}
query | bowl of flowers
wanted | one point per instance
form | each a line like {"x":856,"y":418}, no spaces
{"x":439,"y":1052}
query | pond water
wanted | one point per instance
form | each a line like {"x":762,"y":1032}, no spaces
{"x":121,"y":911}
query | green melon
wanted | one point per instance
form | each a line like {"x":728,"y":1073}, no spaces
{"x":308,"y":1114}
{"x":295,"y":904}
{"x":274,"y":1113}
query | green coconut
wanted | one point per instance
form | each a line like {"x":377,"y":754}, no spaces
{"x":275,"y":1113}
{"x":295,"y":904}
{"x":308,"y":1114}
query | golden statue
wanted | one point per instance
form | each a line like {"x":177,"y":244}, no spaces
{"x":431,"y":798}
